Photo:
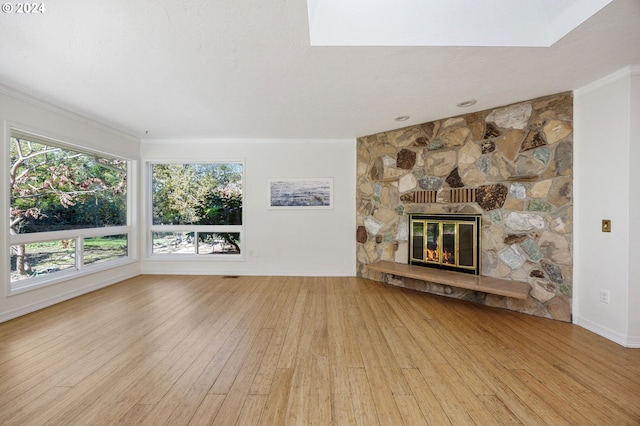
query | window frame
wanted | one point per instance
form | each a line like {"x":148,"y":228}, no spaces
{"x":151,"y":228}
{"x":78,"y":235}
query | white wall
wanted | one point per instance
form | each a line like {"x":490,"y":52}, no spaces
{"x":277,"y":242}
{"x":634,"y":212}
{"x":605,"y":166}
{"x":21,"y":111}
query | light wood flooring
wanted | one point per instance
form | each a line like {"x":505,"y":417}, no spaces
{"x":288,"y":350}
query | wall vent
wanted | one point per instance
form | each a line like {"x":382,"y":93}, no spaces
{"x":462,"y":195}
{"x":424,"y":197}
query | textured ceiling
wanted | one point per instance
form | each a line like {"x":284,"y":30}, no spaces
{"x":245,"y":69}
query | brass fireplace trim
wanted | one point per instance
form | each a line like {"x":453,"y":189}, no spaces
{"x":428,"y":246}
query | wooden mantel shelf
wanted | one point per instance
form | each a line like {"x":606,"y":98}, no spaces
{"x":515,"y":289}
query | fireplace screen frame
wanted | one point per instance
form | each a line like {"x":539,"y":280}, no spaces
{"x":438,"y":251}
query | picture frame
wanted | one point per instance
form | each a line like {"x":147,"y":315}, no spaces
{"x":300,"y":193}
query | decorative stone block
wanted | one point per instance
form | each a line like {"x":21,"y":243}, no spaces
{"x":361,"y":234}
{"x":403,"y":231}
{"x":421,"y":141}
{"x":386,"y":216}
{"x":556,"y":130}
{"x":531,"y":249}
{"x":402,"y":252}
{"x":542,"y":154}
{"x":509,"y":143}
{"x":431,"y":183}
{"x":377,"y":170}
{"x":474,"y":177}
{"x":454,"y":180}
{"x":540,"y":189}
{"x":555,"y":247}
{"x":542,"y":290}
{"x":406,"y":159}
{"x":488,"y":147}
{"x":528,"y":166}
{"x":492,"y":238}
{"x":483,"y":164}
{"x":495,"y":216}
{"x":454,"y":136}
{"x":515,"y":238}
{"x":441,"y":163}
{"x":518,"y":190}
{"x":533,"y":140}
{"x":491,"y":131}
{"x":561,"y":191}
{"x":500,"y":169}
{"x":513,"y":257}
{"x":553,"y":272}
{"x":564,"y":159}
{"x":491,"y":197}
{"x":373,"y":226}
{"x":434,"y":145}
{"x":511,"y":117}
{"x":514,"y":204}
{"x":561,"y":221}
{"x":407,"y":198}
{"x":476,"y":125}
{"x":524,"y":221}
{"x":560,"y":308}
{"x":453,"y":121}
{"x":538,"y":206}
{"x":536,"y":273}
{"x":468,"y":154}
{"x":407,"y":183}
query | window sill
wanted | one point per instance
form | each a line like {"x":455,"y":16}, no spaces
{"x":23,"y":286}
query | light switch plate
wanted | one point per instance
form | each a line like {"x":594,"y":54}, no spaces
{"x":606,"y":225}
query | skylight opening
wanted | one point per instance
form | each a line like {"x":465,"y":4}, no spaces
{"x":492,"y":23}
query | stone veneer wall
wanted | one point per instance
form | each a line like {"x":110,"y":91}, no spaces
{"x":516,"y":160}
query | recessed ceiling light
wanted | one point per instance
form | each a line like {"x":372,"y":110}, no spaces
{"x":466,"y":104}
{"x":402,"y":118}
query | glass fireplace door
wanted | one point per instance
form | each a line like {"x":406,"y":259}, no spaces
{"x":449,"y":243}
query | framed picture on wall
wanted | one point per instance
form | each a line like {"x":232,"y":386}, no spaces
{"x":301,"y":193}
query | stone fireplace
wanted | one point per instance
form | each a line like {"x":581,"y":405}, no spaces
{"x":444,"y":241}
{"x":510,"y":166}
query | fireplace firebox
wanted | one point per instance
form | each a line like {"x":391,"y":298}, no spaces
{"x":445,"y":241}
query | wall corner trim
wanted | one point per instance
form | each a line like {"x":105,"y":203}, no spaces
{"x":618,"y":75}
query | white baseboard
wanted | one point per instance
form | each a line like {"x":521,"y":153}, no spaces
{"x":621,"y":339}
{"x":33,"y":307}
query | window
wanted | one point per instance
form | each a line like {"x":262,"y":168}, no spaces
{"x":68,"y":211}
{"x":196,"y":209}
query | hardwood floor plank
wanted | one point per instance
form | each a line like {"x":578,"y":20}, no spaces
{"x":364,"y":407}
{"x":233,"y":404}
{"x":342,"y":409}
{"x":409,"y":410}
{"x":264,"y":377}
{"x":252,"y":410}
{"x":320,"y":392}
{"x":430,"y":408}
{"x":206,"y":412}
{"x":294,"y":329}
{"x":499,"y":410}
{"x":304,"y":350}
{"x":275,"y":410}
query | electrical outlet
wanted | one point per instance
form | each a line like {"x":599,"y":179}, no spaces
{"x":604,"y":296}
